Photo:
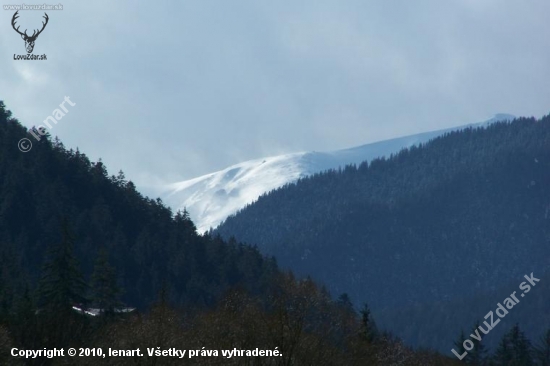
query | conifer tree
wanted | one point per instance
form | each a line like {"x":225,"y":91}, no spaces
{"x":344,"y":302}
{"x":459,"y":344}
{"x":105,"y":291}
{"x":514,"y":349}
{"x":503,"y":354}
{"x":478,"y":355}
{"x":368,"y":326}
{"x":62,"y":284}
{"x":542,"y":350}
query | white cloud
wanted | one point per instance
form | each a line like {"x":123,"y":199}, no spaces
{"x":174,"y":90}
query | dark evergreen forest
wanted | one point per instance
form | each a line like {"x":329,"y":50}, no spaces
{"x":71,"y":235}
{"x":437,"y":234}
{"x":51,"y":189}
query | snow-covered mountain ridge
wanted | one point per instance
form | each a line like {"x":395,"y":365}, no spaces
{"x":211,"y":198}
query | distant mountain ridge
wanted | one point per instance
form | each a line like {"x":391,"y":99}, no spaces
{"x":211,"y":198}
{"x":432,"y":237}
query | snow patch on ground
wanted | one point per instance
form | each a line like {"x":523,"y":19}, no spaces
{"x":211,"y":198}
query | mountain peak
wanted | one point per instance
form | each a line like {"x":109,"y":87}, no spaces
{"x":211,"y":198}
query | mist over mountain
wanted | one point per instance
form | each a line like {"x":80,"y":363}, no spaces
{"x":211,"y":198}
{"x":440,"y":223}
{"x":88,"y":262}
{"x":148,"y":244}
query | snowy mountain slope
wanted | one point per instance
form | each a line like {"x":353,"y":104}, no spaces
{"x":213,"y":197}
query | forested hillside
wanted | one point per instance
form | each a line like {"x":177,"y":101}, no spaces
{"x":149,"y":246}
{"x":458,"y":218}
{"x":80,"y":249}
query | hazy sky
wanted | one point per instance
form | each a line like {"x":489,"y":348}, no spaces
{"x":170,"y":90}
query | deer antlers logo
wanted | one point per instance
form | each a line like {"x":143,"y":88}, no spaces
{"x":29,"y":40}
